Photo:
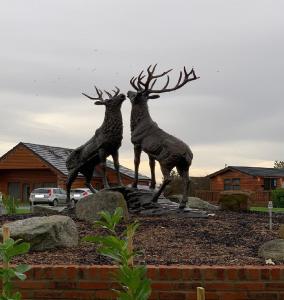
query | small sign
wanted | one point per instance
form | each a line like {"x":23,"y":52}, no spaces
{"x":270,"y":204}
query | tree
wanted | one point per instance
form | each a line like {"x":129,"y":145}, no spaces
{"x":279,"y":164}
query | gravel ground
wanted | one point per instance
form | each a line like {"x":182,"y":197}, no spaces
{"x":225,"y":239}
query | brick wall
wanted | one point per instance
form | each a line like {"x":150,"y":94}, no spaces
{"x":168,"y":282}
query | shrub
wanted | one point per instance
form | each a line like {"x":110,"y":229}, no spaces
{"x":8,"y":250}
{"x":234,"y":201}
{"x":132,"y":279}
{"x":10,"y":204}
{"x":278,"y":197}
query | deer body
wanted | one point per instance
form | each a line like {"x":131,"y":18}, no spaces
{"x":146,"y":135}
{"x":105,"y":142}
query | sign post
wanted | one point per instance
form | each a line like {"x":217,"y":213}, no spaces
{"x":270,"y":206}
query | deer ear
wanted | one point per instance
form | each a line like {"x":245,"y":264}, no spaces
{"x":154,"y":97}
{"x":99,"y":103}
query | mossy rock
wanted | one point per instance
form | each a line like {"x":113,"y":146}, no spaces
{"x":235,"y":201}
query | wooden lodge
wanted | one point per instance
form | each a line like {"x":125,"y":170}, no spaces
{"x":260,"y":181}
{"x":29,"y":166}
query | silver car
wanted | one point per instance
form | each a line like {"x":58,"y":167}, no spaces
{"x":51,"y":196}
{"x":80,"y":193}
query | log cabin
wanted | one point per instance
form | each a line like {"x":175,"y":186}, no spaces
{"x":28,"y":166}
{"x":259,"y":181}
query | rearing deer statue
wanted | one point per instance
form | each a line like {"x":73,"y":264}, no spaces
{"x":168,"y":150}
{"x":105,"y":142}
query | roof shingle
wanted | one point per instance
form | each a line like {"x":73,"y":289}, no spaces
{"x":56,"y":156}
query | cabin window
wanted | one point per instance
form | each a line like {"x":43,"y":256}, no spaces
{"x":232,"y":184}
{"x":270,"y":184}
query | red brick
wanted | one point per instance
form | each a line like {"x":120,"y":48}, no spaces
{"x":72,"y":272}
{"x":274,"y":286}
{"x":106,"y":273}
{"x":265,"y":274}
{"x":196,"y":274}
{"x":263,"y":296}
{"x":275,"y":274}
{"x":65,"y":285}
{"x":154,"y":296}
{"x":174,"y":273}
{"x":232,"y":274}
{"x":105,"y":295}
{"x":172,"y":296}
{"x":59,"y":272}
{"x":91,"y":285}
{"x":249,"y":286}
{"x":209,"y":274}
{"x":242,"y":274}
{"x":233,"y":296}
{"x":218,"y":286}
{"x":33,"y":285}
{"x":252,"y":274}
{"x":152,"y":272}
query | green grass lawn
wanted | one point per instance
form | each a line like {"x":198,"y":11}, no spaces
{"x":265,"y":209}
{"x":21,"y":211}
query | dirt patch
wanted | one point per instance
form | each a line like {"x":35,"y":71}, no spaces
{"x":226,"y":239}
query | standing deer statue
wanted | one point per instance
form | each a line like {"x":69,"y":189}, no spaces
{"x":168,"y":150}
{"x":105,"y":142}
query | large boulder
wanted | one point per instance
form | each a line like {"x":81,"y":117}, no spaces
{"x":44,"y":233}
{"x":87,"y":209}
{"x":194,"y":202}
{"x":273,"y":249}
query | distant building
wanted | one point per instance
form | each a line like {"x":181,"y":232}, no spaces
{"x":29,"y":166}
{"x":260,"y":181}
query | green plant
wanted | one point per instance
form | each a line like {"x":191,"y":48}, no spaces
{"x":10,"y":204}
{"x":8,"y":250}
{"x":234,"y":201}
{"x":278,"y":197}
{"x":132,"y":279}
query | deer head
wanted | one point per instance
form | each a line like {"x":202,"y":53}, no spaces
{"x":114,"y":100}
{"x":144,"y":84}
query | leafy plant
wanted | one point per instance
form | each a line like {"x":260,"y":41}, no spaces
{"x":278,"y":197}
{"x":132,"y":279}
{"x":10,"y":204}
{"x":8,"y":250}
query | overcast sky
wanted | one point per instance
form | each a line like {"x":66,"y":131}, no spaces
{"x":52,"y":51}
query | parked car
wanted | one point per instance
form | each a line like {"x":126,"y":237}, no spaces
{"x":52,"y":196}
{"x":80,"y":193}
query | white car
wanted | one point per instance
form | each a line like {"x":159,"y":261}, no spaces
{"x":52,"y":196}
{"x":80,"y":193}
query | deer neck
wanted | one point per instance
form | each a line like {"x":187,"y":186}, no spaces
{"x":140,"y":114}
{"x":113,"y":121}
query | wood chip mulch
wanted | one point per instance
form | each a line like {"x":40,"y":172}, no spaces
{"x":227,"y":238}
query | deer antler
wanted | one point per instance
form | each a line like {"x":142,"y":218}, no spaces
{"x":148,"y":85}
{"x":100,"y":95}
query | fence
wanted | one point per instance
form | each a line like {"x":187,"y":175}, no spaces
{"x":258,"y":198}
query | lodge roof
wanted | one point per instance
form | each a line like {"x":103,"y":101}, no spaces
{"x":56,"y":157}
{"x":253,"y":171}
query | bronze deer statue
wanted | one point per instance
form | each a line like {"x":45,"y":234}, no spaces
{"x":105,"y":142}
{"x":168,"y":150}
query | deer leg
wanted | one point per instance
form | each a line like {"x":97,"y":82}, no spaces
{"x":183,"y":172}
{"x":116,"y":166}
{"x":103,"y":165}
{"x":152,"y":168}
{"x":137,"y":154}
{"x":70,"y":179}
{"x":88,"y":176}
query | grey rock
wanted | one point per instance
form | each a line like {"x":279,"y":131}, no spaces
{"x":47,"y":210}
{"x":273,"y":249}
{"x":87,"y":209}
{"x":44,"y":233}
{"x":194,"y":202}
